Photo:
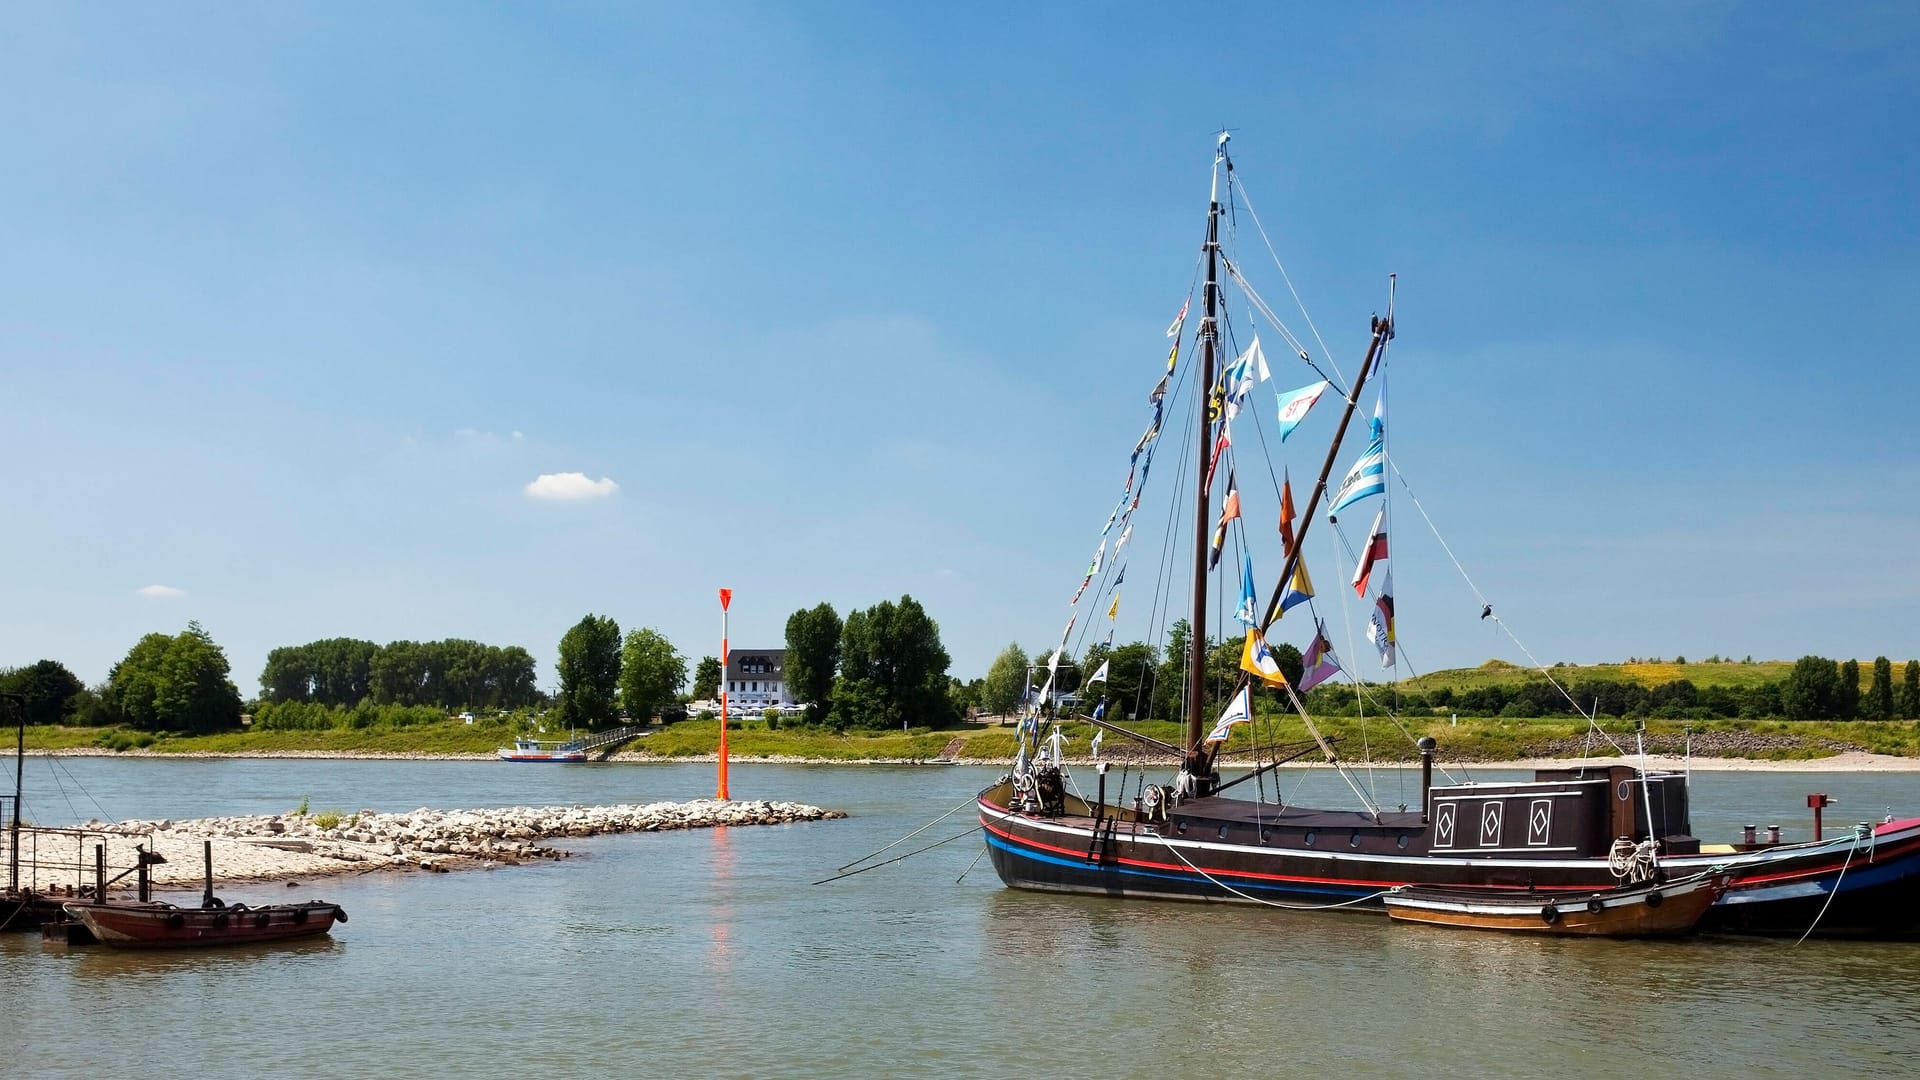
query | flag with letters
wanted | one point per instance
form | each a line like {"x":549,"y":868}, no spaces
{"x":1294,"y":406}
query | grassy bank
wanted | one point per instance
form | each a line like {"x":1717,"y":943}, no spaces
{"x":1472,"y":739}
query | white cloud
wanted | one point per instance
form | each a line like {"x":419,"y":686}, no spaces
{"x":162,"y":592}
{"x":570,"y":486}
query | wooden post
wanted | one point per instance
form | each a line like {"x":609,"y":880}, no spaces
{"x":99,"y":873}
{"x":207,"y":853}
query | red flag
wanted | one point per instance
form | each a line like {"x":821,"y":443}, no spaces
{"x":1286,"y":517}
{"x":1225,"y":440}
{"x":1228,"y":511}
{"x":1376,"y":551}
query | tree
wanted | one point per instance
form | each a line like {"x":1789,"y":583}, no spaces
{"x":1006,"y":681}
{"x":651,"y":673}
{"x":1910,"y":691}
{"x":1171,"y":690}
{"x":1880,"y":698}
{"x":47,"y":685}
{"x":813,"y":655}
{"x":1810,"y":689}
{"x":1846,"y":698}
{"x":177,"y":683}
{"x":589,"y":667}
{"x":892,"y":667}
{"x":706,"y":679}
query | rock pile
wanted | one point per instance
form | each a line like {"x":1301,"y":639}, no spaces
{"x":270,"y":846}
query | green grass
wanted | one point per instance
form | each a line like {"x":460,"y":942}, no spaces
{"x":1473,"y":739}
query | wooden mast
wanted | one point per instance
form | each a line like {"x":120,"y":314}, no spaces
{"x":1202,"y":516}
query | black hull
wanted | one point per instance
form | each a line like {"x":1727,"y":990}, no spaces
{"x":1845,"y":888}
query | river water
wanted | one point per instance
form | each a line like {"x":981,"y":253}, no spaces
{"x":709,"y":953}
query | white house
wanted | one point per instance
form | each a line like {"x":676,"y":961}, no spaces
{"x":754,"y":679}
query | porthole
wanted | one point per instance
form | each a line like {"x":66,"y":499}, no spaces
{"x":1223,"y":832}
{"x":1309,"y":839}
{"x":1402,"y":841}
{"x":1266,"y":835}
{"x":1181,"y":828}
{"x":1354,"y":840}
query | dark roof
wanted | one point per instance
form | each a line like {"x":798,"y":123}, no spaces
{"x":738,"y":659}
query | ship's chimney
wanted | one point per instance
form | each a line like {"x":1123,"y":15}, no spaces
{"x":1426,"y":745}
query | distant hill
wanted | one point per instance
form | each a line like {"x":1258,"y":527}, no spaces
{"x":1732,"y":674}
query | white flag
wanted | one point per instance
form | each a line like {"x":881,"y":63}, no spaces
{"x":1239,"y":711}
{"x":1100,"y":675}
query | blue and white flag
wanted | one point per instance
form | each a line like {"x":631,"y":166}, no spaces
{"x":1368,"y":475}
{"x":1100,"y":675}
{"x":1239,"y":711}
{"x":1294,"y":405}
{"x":1247,"y":370}
{"x":1247,"y":612}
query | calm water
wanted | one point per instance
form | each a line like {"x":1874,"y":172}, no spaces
{"x":708,"y":953}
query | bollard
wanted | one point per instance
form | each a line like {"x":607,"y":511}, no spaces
{"x":1747,"y":834}
{"x":1773,"y":834}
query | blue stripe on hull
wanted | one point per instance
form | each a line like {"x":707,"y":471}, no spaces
{"x":1108,"y":879}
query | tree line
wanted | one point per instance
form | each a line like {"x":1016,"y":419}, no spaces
{"x":880,"y":668}
{"x":451,"y":674}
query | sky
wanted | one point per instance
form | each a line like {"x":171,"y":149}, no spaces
{"x":412,"y":321}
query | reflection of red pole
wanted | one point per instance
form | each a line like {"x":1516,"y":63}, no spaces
{"x":726,"y":598}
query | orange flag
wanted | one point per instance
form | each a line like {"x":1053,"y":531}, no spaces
{"x":1286,"y":517}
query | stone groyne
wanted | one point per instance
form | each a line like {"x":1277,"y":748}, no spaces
{"x":269,"y":847}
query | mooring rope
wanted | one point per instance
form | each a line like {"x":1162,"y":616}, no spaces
{"x":911,"y":835}
{"x":1859,"y":834}
{"x":1272,"y":903}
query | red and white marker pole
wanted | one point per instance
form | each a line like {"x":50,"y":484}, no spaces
{"x":726,"y":598}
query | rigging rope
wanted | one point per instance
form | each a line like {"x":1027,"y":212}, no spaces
{"x":1487,"y":612}
{"x":1233,"y":185}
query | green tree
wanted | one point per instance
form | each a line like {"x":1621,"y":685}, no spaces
{"x":1880,"y":698}
{"x":589,"y":667}
{"x":1910,"y":691}
{"x":177,"y":683}
{"x":1846,"y":697}
{"x":651,"y":673}
{"x":47,"y":685}
{"x":1810,"y":689}
{"x":813,"y":655}
{"x":1006,"y":681}
{"x":706,"y":679}
{"x":893,"y":668}
{"x":1171,"y":690}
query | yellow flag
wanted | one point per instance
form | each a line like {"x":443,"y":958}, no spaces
{"x":1257,"y":660}
{"x":1113,"y":610}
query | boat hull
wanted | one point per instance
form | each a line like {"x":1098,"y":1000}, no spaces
{"x":543,"y":758}
{"x":1669,"y":910}
{"x":1852,"y":886}
{"x":164,"y":926}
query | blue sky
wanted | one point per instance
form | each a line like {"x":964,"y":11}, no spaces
{"x":852,"y":301}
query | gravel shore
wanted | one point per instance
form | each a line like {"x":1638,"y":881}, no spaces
{"x":290,"y":847}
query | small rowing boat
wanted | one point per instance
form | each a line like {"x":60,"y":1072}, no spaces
{"x":1667,"y":909}
{"x":165,"y":926}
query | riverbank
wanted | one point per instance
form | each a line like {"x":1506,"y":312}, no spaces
{"x":1840,"y":762}
{"x":287,"y":847}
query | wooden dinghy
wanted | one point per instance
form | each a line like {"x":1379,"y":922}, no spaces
{"x":1666,"y":909}
{"x":164,"y":926}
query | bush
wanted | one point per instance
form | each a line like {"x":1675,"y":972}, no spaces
{"x":772,"y":717}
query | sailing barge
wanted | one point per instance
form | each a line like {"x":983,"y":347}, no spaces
{"x":1572,"y":832}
